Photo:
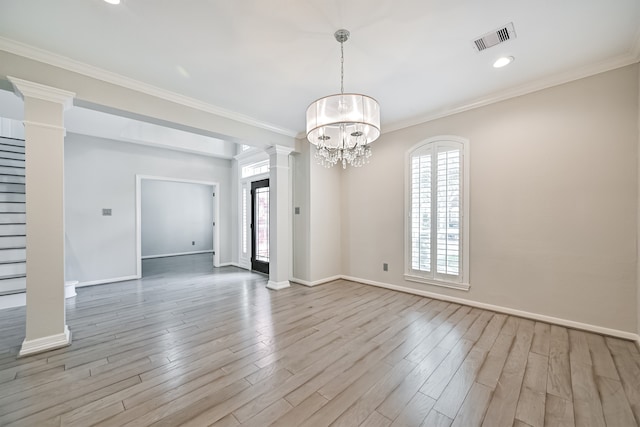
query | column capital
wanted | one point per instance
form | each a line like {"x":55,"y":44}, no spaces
{"x":278,"y":149}
{"x":27,"y":89}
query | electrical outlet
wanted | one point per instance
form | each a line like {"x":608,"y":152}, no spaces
{"x":385,"y":267}
{"x":193,"y":243}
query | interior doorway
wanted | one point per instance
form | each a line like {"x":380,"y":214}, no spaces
{"x":213,"y":206}
{"x":260,"y":226}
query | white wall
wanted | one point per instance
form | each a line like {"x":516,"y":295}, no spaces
{"x":554,"y":194}
{"x":300,"y":235}
{"x":101,"y":173}
{"x":325,"y":224}
{"x":176,"y":217}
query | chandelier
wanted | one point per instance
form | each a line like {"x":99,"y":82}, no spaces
{"x":341,"y":126}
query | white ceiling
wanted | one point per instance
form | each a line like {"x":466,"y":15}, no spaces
{"x":269,"y":59}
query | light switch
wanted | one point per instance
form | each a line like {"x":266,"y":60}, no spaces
{"x":106,"y":212}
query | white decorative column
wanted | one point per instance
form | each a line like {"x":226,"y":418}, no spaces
{"x":279,"y":217}
{"x":44,"y":108}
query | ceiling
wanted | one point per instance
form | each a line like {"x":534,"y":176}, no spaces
{"x":269,"y":60}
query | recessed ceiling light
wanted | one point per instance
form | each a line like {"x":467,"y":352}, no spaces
{"x":113,"y":1}
{"x":501,"y":62}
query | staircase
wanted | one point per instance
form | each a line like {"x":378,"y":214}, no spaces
{"x":12,"y":217}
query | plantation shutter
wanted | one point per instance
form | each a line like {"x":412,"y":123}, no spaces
{"x":435,"y":194}
{"x":421,"y":164}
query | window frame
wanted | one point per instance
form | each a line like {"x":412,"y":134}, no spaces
{"x":430,"y":278}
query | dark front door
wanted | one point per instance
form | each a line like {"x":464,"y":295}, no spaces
{"x":260,"y":226}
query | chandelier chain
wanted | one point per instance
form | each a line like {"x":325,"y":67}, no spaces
{"x":341,"y":67}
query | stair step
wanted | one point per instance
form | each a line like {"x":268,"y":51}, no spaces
{"x":12,"y":285}
{"x":11,"y":148}
{"x":12,"y":242}
{"x":6,"y":187}
{"x":13,"y":268}
{"x":13,"y":229}
{"x":12,"y":141}
{"x":12,"y":207}
{"x":13,"y":218}
{"x":10,"y":155}
{"x":12,"y":179}
{"x":12,"y":197}
{"x":13,"y":254}
{"x":11,"y":162}
{"x":10,"y":170}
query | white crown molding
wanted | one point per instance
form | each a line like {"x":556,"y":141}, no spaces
{"x":69,"y":64}
{"x":24,"y":88}
{"x":628,"y":58}
{"x":51,"y":342}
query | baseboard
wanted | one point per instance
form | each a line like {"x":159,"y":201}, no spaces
{"x":104,"y":281}
{"x":278,"y":285}
{"x":316,"y":282}
{"x":13,"y":300}
{"x":506,"y":310}
{"x":177,"y":254}
{"x":231,"y":264}
{"x":39,"y":345}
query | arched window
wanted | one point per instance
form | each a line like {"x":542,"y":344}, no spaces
{"x":437,"y":229}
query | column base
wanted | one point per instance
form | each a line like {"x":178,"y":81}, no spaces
{"x":278,"y":285}
{"x":51,"y":342}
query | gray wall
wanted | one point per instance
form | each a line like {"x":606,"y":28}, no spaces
{"x":175,"y":215}
{"x":553,"y":207}
{"x":101,"y":173}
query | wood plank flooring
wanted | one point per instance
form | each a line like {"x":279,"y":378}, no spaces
{"x":197,"y":346}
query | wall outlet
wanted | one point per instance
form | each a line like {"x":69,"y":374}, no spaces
{"x":193,"y":243}
{"x":385,"y":267}
{"x":297,"y":210}
{"x":106,"y":212}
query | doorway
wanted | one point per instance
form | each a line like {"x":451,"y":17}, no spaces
{"x":211,"y":206}
{"x":260,"y":226}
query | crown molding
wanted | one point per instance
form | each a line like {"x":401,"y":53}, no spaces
{"x":69,"y":64}
{"x":631,"y":57}
{"x":24,"y":88}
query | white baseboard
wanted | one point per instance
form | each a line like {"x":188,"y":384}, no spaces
{"x":278,"y":285}
{"x":13,"y":300}
{"x":315,"y":282}
{"x":231,"y":264}
{"x":506,"y":310}
{"x":104,"y":281}
{"x":51,"y":342}
{"x":177,"y":254}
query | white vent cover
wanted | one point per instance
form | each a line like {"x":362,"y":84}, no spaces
{"x":493,"y":38}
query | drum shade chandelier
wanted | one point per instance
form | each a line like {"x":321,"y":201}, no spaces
{"x":342,"y":126}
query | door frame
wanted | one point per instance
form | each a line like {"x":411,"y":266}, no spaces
{"x":215,"y":207}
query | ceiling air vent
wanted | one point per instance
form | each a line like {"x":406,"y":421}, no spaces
{"x":493,"y":38}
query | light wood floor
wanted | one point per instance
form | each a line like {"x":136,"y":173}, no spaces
{"x":196,"y":346}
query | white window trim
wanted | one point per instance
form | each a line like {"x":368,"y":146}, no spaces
{"x":409,"y":274}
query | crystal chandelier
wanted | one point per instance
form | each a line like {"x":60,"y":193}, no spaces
{"x":342,"y":126}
